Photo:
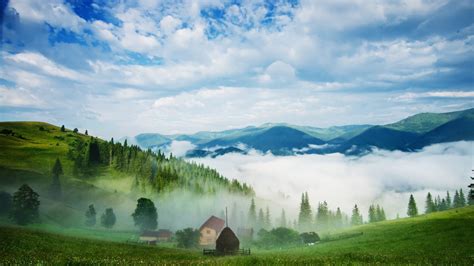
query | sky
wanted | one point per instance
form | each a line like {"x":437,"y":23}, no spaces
{"x":121,"y":68}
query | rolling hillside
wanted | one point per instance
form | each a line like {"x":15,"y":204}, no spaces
{"x":439,"y":238}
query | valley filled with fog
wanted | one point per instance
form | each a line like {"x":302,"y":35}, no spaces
{"x":382,"y":177}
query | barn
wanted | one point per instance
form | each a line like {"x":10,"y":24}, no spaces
{"x":151,"y":237}
{"x":210,"y":230}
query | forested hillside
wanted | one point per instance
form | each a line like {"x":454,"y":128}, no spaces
{"x":30,"y":148}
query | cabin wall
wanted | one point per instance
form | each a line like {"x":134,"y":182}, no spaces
{"x":208,"y":237}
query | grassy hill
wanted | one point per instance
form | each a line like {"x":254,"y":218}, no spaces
{"x":438,"y":238}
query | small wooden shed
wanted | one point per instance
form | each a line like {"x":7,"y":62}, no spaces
{"x":227,"y":242}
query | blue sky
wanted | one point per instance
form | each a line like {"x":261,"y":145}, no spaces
{"x":124,"y":67}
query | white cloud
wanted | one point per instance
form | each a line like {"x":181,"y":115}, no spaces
{"x":410,"y":96}
{"x":179,"y":148}
{"x":169,"y":24}
{"x":382,"y":177}
{"x":19,"y":97}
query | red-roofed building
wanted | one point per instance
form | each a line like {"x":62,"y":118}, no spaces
{"x":151,"y":237}
{"x":210,"y":230}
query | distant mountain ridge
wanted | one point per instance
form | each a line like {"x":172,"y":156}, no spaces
{"x":409,"y":134}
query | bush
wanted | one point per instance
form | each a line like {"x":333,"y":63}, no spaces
{"x":188,"y":238}
{"x":278,"y":237}
{"x":309,"y":237}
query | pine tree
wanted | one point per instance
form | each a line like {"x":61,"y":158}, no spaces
{"x":338,"y":218}
{"x":456,"y":200}
{"x":356,"y":218}
{"x":380,"y":214}
{"x":90,"y":216}
{"x":429,"y":204}
{"x":86,"y":133}
{"x":283,"y":218}
{"x":55,"y":187}
{"x":412,"y":209}
{"x":268,"y":223}
{"x":462,"y":199}
{"x":448,"y":200}
{"x":260,"y":219}
{"x":252,"y":217}
{"x":372,"y":214}
{"x":304,"y":218}
{"x":108,"y":218}
{"x":63,"y":129}
{"x":25,"y":207}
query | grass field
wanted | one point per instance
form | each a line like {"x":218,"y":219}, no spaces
{"x":439,"y":238}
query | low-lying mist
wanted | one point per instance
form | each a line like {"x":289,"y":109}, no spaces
{"x":382,"y":177}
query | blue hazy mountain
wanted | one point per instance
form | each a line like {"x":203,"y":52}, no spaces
{"x":410,"y":134}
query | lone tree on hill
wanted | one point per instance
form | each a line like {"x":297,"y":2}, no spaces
{"x":91,"y":216}
{"x":63,"y":129}
{"x":55,"y":187}
{"x":108,"y":218}
{"x":145,"y":215}
{"x":412,"y":209}
{"x":25,"y":207}
{"x":471,"y":192}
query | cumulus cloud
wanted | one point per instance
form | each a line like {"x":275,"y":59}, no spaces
{"x":179,"y":148}
{"x":382,"y":177}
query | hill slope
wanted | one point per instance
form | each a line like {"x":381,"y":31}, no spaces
{"x":438,"y":238}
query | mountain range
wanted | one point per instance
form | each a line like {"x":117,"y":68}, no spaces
{"x":409,"y":134}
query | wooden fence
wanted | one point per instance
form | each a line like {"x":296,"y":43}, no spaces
{"x":213,"y":252}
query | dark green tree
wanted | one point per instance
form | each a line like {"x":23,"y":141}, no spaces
{"x":372,"y":214}
{"x":448,"y":200}
{"x":91,"y":216}
{"x":252,"y":216}
{"x":5,"y":202}
{"x":63,"y":129}
{"x":356,"y":218}
{"x":462,"y":198}
{"x":145,"y":215}
{"x":412,"y":209}
{"x":75,"y":130}
{"x":380,"y":213}
{"x":108,"y":218}
{"x":188,"y":238}
{"x":260,"y":219}
{"x":305,"y":216}
{"x":338,"y":218}
{"x":25,"y":207}
{"x":86,"y":133}
{"x":93,"y":152}
{"x":268,"y":220}
{"x":283,"y":218}
{"x":429,"y":204}
{"x":55,"y":187}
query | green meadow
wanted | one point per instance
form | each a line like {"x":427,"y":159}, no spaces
{"x":439,"y":238}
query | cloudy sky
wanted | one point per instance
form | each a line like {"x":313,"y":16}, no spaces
{"x":123,"y":67}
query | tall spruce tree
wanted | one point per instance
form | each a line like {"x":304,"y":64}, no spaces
{"x":252,"y":216}
{"x":372,"y":214}
{"x":338,"y":218}
{"x":91,"y":216}
{"x":380,"y":213}
{"x":456,"y":200}
{"x":305,"y":216}
{"x":429,"y":204}
{"x":412,"y":209}
{"x":356,"y":218}
{"x":268,"y":220}
{"x":448,"y":200}
{"x":462,"y":199}
{"x":283,"y":219}
{"x":55,"y":187}
{"x":260,"y":219}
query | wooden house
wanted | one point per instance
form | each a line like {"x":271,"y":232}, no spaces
{"x":151,"y":237}
{"x":210,"y":230}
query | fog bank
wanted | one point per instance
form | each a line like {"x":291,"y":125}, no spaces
{"x":383,"y":177}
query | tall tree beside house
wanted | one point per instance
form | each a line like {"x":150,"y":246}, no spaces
{"x":55,"y":187}
{"x":108,"y":218}
{"x":91,"y":216}
{"x":412,"y":209}
{"x":429,"y":204}
{"x":283,"y":219}
{"x":25,"y":207}
{"x":145,"y":215}
{"x":356,"y":218}
{"x":252,"y":217}
{"x":188,"y":238}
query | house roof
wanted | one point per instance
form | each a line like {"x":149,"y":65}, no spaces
{"x":159,"y":233}
{"x":214,"y":223}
